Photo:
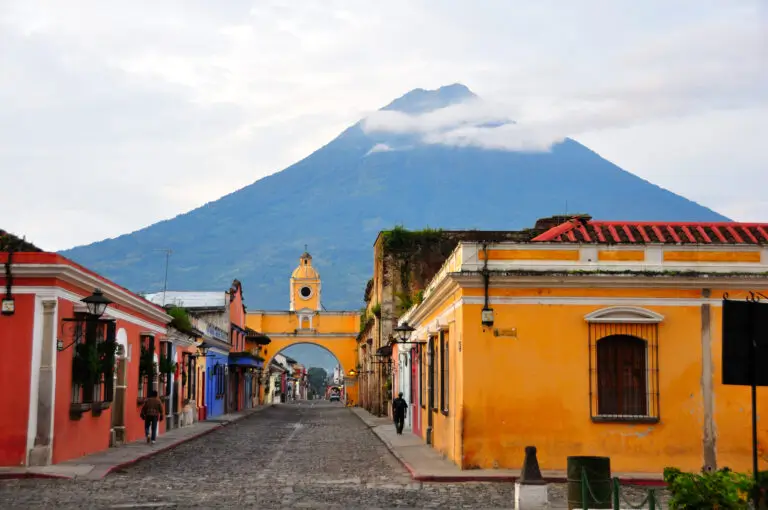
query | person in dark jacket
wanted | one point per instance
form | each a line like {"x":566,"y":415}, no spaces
{"x":152,"y":412}
{"x":399,"y":408}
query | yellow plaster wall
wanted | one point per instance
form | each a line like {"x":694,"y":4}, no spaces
{"x":534,"y":390}
{"x":538,"y":393}
{"x":621,"y":255}
{"x":530,"y":255}
{"x":287,"y":322}
{"x":712,"y":256}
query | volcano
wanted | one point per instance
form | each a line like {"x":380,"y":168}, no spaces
{"x":336,"y":200}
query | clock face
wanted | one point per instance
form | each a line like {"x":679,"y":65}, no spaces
{"x":9,"y":306}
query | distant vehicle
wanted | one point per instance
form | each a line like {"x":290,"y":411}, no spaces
{"x":335,"y":398}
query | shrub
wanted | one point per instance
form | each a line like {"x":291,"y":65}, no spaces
{"x":716,"y":490}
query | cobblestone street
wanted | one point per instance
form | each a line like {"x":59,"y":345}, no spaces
{"x":290,"y":456}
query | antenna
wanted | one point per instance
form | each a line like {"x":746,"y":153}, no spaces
{"x":566,"y":208}
{"x":168,"y":252}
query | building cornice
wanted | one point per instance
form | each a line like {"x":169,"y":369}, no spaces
{"x":577,"y":279}
{"x":309,"y":336}
{"x":85,"y":280}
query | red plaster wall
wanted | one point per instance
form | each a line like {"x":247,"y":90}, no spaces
{"x":134,"y":425}
{"x":15,"y":371}
{"x":75,"y":438}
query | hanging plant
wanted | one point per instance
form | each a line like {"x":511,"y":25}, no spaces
{"x":146,"y":363}
{"x":85,"y":364}
{"x":106,"y":351}
{"x":184,"y":378}
{"x":167,"y":366}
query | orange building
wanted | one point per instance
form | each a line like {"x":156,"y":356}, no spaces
{"x":64,"y":394}
{"x":591,"y":338}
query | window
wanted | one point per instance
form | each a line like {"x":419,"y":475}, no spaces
{"x":444,"y":372}
{"x":147,"y":368}
{"x":220,"y":381}
{"x":78,"y":338}
{"x":432,"y":373}
{"x":624,"y":380}
{"x":423,"y":374}
{"x":92,"y":343}
{"x":305,"y":292}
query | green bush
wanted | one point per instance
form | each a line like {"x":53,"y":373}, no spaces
{"x":181,"y":319}
{"x":716,"y":490}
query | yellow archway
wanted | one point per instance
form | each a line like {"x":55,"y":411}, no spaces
{"x":307,"y":322}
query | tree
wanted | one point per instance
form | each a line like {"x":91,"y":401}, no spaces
{"x":317,"y":376}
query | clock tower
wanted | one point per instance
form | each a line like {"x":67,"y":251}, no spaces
{"x":305,"y":286}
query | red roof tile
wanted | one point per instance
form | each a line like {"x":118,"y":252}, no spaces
{"x":585,"y":230}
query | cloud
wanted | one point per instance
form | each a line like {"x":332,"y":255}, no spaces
{"x":379,"y":147}
{"x":661,"y":82}
{"x":119,"y":114}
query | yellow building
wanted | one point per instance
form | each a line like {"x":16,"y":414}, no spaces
{"x":306,"y":322}
{"x":592,"y":338}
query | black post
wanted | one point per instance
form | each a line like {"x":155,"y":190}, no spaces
{"x":753,"y":383}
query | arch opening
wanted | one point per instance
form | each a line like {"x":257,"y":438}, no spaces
{"x":304,"y":370}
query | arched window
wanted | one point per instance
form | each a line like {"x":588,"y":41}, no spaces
{"x":621,"y":376}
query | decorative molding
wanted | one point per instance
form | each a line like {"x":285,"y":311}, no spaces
{"x":59,"y":293}
{"x":315,"y":335}
{"x":590,"y":301}
{"x":624,"y":314}
{"x":85,"y":280}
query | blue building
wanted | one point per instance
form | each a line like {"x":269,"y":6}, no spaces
{"x":209,"y":313}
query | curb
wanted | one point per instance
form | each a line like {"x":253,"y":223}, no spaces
{"x":488,"y":478}
{"x":44,"y":476}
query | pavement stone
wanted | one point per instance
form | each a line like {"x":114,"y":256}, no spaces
{"x":305,"y":455}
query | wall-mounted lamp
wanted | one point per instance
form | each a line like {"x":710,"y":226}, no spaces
{"x":96,"y":303}
{"x":352,"y":372}
{"x":8,"y":305}
{"x":486,"y":317}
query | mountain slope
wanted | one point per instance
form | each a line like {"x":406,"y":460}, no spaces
{"x":338,"y":198}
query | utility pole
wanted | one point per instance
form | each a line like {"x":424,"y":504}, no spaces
{"x":168,"y":252}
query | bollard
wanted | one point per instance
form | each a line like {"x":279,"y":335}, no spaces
{"x":616,"y":492}
{"x":652,"y":499}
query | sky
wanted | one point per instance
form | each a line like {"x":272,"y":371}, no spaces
{"x":116,"y":115}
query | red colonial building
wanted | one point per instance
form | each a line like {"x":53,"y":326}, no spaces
{"x":77,"y":357}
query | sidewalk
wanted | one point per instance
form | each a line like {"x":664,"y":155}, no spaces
{"x":98,"y":465}
{"x":427,"y":465}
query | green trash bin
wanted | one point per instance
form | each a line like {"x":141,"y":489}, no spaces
{"x":598,"y":471}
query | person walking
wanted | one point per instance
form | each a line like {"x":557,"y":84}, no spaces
{"x":152,"y":412}
{"x":399,"y":408}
